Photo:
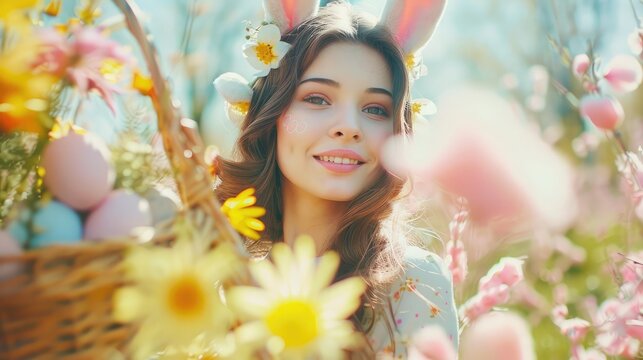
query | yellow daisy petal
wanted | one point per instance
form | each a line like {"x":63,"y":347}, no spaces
{"x":128,"y":304}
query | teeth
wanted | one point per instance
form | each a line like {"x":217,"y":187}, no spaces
{"x":339,"y":160}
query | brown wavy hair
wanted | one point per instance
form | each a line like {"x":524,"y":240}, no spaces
{"x":368,"y":240}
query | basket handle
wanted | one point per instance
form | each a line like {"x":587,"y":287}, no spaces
{"x":181,"y":140}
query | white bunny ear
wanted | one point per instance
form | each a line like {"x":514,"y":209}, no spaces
{"x":412,"y":22}
{"x":289,"y":13}
{"x":237,"y":94}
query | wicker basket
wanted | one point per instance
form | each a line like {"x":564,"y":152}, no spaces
{"x":60,"y":304}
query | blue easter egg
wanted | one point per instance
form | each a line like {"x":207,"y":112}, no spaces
{"x":18,"y":228}
{"x":56,"y":223}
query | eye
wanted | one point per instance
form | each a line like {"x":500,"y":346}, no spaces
{"x":376,"y":110}
{"x":316,"y":99}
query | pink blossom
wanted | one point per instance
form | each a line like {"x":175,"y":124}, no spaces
{"x":580,"y":64}
{"x":507,"y":271}
{"x":623,"y":73}
{"x":603,"y":111}
{"x":432,"y":343}
{"x":559,"y":314}
{"x":456,"y":256}
{"x":456,"y":261}
{"x":81,"y":58}
{"x":612,"y":322}
{"x":575,"y":329}
{"x":498,"y":336}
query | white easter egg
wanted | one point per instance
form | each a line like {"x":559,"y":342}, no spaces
{"x":117,"y":216}
{"x":78,"y":170}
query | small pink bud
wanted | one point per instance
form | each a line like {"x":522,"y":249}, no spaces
{"x":604,"y":112}
{"x":623,"y":73}
{"x":580,"y":64}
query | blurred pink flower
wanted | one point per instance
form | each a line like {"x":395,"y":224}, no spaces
{"x":88,"y":59}
{"x":623,"y":73}
{"x":580,"y":64}
{"x":635,"y":42}
{"x":612,"y":326}
{"x":559,"y":314}
{"x":493,"y":288}
{"x":498,"y":336}
{"x":507,"y":271}
{"x":603,"y":111}
{"x":431,"y":343}
{"x":456,"y":260}
{"x":575,"y":329}
{"x":484,"y":152}
{"x":456,"y":256}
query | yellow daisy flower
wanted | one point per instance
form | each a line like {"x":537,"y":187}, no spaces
{"x":175,"y":295}
{"x":243,"y":215}
{"x":24,"y":93}
{"x":294,"y":311}
{"x":266,"y":51}
{"x":8,"y":8}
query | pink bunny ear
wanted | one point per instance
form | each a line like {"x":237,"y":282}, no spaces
{"x":289,"y":13}
{"x":412,"y":22}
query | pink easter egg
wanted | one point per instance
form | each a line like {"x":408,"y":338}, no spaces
{"x":9,"y":247}
{"x":117,"y":216}
{"x":78,"y":170}
{"x":604,"y":112}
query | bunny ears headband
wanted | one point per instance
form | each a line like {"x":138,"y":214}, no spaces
{"x":412,"y":23}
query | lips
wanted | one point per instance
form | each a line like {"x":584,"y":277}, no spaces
{"x":340,"y":161}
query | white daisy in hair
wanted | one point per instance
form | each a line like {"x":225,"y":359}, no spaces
{"x":265,"y":51}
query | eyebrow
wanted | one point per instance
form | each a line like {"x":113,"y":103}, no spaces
{"x":333,"y":83}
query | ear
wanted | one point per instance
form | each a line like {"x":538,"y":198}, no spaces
{"x":412,"y":22}
{"x":289,"y":13}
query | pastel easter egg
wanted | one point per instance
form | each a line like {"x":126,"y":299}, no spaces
{"x":603,"y":111}
{"x":18,"y":228}
{"x":53,"y":223}
{"x":117,"y":216}
{"x":9,"y":247}
{"x":56,"y":223}
{"x":78,"y":170}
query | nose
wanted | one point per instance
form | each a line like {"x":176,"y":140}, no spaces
{"x":346,"y":127}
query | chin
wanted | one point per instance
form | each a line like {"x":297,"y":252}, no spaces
{"x":339,"y":195}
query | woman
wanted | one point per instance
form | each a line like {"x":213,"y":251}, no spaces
{"x":310,"y":146}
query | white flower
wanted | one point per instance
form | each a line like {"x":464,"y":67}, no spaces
{"x":266,"y":51}
{"x":420,"y":107}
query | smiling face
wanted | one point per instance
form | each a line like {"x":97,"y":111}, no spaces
{"x":329,"y":138}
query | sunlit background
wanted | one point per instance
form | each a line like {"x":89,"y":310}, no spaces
{"x":543,"y":183}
